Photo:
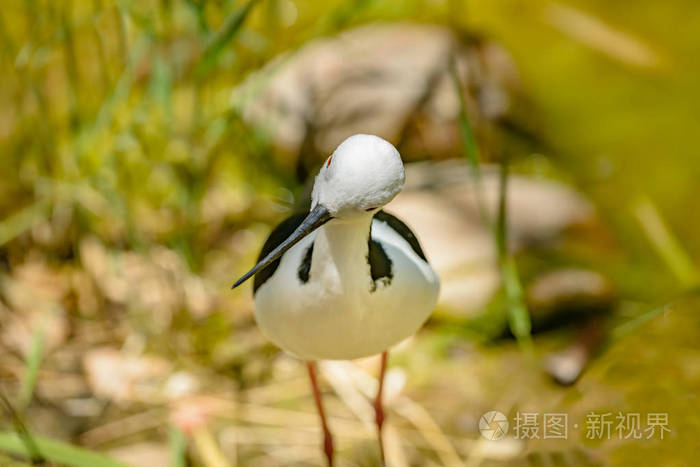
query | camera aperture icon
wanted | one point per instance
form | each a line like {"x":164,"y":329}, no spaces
{"x":493,"y":425}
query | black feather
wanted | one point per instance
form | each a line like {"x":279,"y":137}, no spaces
{"x":379,"y":264}
{"x":277,"y":236}
{"x":305,"y":266}
{"x":403,"y":230}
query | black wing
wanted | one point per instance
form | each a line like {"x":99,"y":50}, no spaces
{"x":289,"y":225}
{"x":277,"y":236}
{"x":403,"y":230}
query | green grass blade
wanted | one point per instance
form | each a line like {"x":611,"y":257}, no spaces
{"x":32,"y":366}
{"x":21,"y":221}
{"x":666,"y":243}
{"x":56,"y":451}
{"x":518,"y":314}
{"x":637,"y":322}
{"x":7,"y":461}
{"x":30,"y":447}
{"x":470,"y":149}
{"x":178,"y":447}
{"x":632,"y":325}
{"x":223,"y":36}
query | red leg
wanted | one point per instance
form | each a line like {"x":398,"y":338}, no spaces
{"x":327,"y":437}
{"x":378,"y":407}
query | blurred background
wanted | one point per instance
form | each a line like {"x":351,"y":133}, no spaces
{"x":149,"y":147}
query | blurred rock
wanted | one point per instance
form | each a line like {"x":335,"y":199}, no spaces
{"x":567,"y":365}
{"x":81,"y":407}
{"x":35,"y":294}
{"x":440,"y":204}
{"x":567,"y":294}
{"x":392,"y":80}
{"x":19,"y":330}
{"x":571,"y":296}
{"x":124,"y":378}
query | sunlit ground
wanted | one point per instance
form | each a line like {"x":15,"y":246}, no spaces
{"x":133,"y":192}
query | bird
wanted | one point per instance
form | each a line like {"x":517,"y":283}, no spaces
{"x":346,"y":280}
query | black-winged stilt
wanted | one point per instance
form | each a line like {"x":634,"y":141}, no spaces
{"x":346,"y":280}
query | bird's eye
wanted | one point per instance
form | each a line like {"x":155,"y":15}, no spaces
{"x":370,"y":209}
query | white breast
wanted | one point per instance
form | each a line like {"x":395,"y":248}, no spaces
{"x":338,"y":314}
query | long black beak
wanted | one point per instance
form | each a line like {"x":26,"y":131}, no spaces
{"x":316,"y":218}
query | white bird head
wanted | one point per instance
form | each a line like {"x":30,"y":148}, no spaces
{"x":363,"y":174}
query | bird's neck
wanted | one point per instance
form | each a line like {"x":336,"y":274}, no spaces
{"x":341,"y":250}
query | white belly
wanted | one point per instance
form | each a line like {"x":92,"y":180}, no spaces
{"x":337,"y":315}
